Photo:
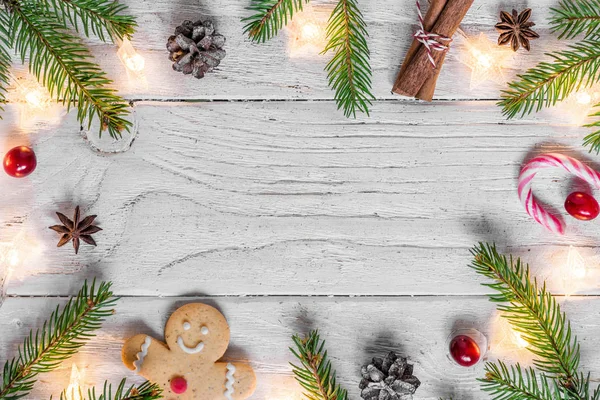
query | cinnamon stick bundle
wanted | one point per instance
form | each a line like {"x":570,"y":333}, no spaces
{"x":417,"y":77}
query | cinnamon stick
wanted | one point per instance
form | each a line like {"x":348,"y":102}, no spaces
{"x":433,"y":12}
{"x":428,"y":89}
{"x":419,"y":69}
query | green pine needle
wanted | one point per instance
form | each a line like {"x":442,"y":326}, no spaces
{"x":550,"y":82}
{"x":60,"y":338}
{"x":102,"y":18}
{"x":575,"y":17}
{"x":349,"y":71}
{"x":63,"y":64}
{"x":572,"y":69}
{"x":315,"y":373}
{"x":514,"y":382}
{"x":593,"y":139}
{"x":38,"y":30}
{"x":269,"y":17}
{"x":537,"y":317}
{"x":5,"y":60}
{"x":146,"y":391}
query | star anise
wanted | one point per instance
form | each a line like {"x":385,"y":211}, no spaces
{"x":76,"y":230}
{"x":516,"y":29}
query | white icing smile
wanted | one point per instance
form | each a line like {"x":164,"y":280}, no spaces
{"x":189,"y":350}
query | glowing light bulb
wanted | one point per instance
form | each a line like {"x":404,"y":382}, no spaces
{"x":575,"y":264}
{"x":131,"y":59}
{"x":578,"y":105}
{"x":135,"y":63}
{"x":583,"y":97}
{"x":35,"y":98}
{"x":307,"y":32}
{"x":506,"y":342}
{"x":73,"y":391}
{"x":34,"y":103}
{"x":485,"y":59}
{"x":310,"y":31}
{"x":573,"y":272}
{"x":13,"y":258}
{"x":518,"y":340}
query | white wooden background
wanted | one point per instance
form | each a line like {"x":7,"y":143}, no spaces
{"x":249,"y":191}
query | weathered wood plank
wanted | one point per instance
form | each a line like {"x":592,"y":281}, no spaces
{"x":252,"y":71}
{"x":291,"y":198}
{"x":355,"y":329}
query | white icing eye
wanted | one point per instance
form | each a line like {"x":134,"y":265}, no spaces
{"x":204,"y":330}
{"x":187,"y":326}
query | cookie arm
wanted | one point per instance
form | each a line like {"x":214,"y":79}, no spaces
{"x":241,"y":381}
{"x":136,"y":350}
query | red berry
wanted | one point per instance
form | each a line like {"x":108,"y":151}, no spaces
{"x":178,"y":385}
{"x":464,"y":351}
{"x":20,"y":161}
{"x":582,"y":206}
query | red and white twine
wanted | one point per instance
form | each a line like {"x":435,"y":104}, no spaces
{"x":430,"y":40}
{"x":536,"y":210}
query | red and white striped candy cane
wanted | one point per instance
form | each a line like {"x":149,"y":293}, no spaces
{"x":533,"y":208}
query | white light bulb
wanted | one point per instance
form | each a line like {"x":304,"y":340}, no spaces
{"x":132,"y":60}
{"x":13,"y":258}
{"x":135,"y":63}
{"x":519,"y":341}
{"x":583,"y":98}
{"x":35,"y":98}
{"x":310,"y":31}
{"x":73,"y":390}
{"x":575,"y":264}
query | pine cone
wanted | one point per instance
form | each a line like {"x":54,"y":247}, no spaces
{"x":195,"y":48}
{"x":388,"y":378}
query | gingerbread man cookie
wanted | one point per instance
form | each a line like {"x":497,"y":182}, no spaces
{"x":197,"y":335}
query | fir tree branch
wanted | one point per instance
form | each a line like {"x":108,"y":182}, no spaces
{"x":270,"y":16}
{"x":575,"y":17}
{"x":63,"y":65}
{"x":146,"y":391}
{"x":596,"y":394}
{"x":517,"y":383}
{"x":98,"y":17}
{"x":550,"y":82}
{"x":593,"y":139}
{"x":534,"y":313}
{"x":315,"y":374}
{"x":349,"y":71}
{"x":5,"y":60}
{"x":60,"y":337}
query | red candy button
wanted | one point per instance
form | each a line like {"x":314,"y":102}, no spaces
{"x":178,"y":385}
{"x":464,"y":351}
{"x":582,"y":206}
{"x":19,"y":162}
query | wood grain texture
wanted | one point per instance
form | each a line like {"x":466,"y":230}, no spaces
{"x":253,"y":71}
{"x":259,"y":197}
{"x":291,"y":198}
{"x":355,"y":331}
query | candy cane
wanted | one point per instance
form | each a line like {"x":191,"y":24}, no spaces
{"x":533,"y":208}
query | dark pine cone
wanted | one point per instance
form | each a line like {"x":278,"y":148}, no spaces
{"x":389,"y":378}
{"x":195,"y":48}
